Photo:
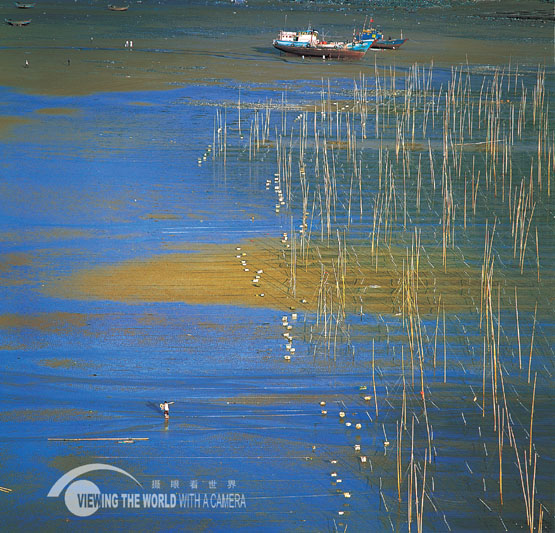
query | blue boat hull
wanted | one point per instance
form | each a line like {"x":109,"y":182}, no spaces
{"x":376,"y":38}
{"x":355,"y":51}
{"x":391,"y":44}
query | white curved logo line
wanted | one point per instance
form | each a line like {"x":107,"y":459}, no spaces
{"x":80,"y":470}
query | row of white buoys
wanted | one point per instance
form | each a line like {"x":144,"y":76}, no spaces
{"x":204,"y":156}
{"x":335,"y":478}
{"x":279,"y":193}
{"x":334,"y":475}
{"x":257,"y":277}
{"x":242,"y":256}
{"x":243,"y":261}
{"x":348,"y":424}
{"x":358,"y":426}
{"x":287,"y":335}
{"x":289,"y":346}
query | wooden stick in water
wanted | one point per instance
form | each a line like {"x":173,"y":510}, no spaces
{"x":532,"y":343}
{"x":96,"y":439}
{"x":518,"y":331}
{"x":537,"y":255}
{"x":533,"y":495}
{"x":374,"y":381}
{"x":532,"y":415}
{"x":500,"y":445}
{"x":444,"y":349}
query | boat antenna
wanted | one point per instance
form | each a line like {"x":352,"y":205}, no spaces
{"x":285,"y":20}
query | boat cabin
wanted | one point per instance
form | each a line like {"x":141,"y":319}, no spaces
{"x":370,"y":34}
{"x":309,"y":37}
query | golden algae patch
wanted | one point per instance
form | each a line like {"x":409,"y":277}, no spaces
{"x":213,"y":275}
{"x":259,"y":273}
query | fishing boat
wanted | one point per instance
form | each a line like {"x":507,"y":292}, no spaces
{"x":307,"y":43}
{"x":118,"y":8}
{"x":23,"y":5}
{"x":17,"y":22}
{"x":378,"y":41}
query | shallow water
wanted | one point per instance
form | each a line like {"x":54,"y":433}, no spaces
{"x":92,"y":181}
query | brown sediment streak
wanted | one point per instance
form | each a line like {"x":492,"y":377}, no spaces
{"x":10,"y":269}
{"x":61,"y":363}
{"x":161,"y":216}
{"x":8,"y":122}
{"x":57,"y":111}
{"x":35,"y":415}
{"x":16,"y":259}
{"x":9,"y":261}
{"x":36,"y":234}
{"x":44,"y":322}
{"x":213,"y":274}
{"x":277,"y":399}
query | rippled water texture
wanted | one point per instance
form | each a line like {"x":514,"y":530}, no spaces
{"x":340,"y":272}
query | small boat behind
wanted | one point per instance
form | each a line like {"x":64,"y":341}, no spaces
{"x":23,"y":5}
{"x":378,"y":41}
{"x":307,"y":43}
{"x":17,"y":22}
{"x":112,"y":7}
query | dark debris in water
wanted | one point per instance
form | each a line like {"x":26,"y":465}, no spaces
{"x":402,"y":4}
{"x":538,"y":14}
